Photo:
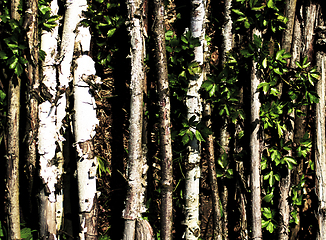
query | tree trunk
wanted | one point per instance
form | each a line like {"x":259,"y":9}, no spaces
{"x":320,"y":132}
{"x":218,"y":234}
{"x":224,"y":132}
{"x":298,"y":126}
{"x":85,"y":121}
{"x":13,"y":146}
{"x":255,"y":150}
{"x":285,"y":182}
{"x":165,"y":122}
{"x":31,"y":26}
{"x":194,"y":105}
{"x":136,"y":166}
{"x":47,"y":132}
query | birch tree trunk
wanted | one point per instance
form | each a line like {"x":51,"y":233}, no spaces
{"x":136,"y":165}
{"x":165,"y":122}
{"x":194,"y":106}
{"x":13,"y":147}
{"x":47,"y":132}
{"x":255,"y":150}
{"x":85,"y":121}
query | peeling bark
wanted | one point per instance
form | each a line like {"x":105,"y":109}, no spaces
{"x":85,"y":121}
{"x":47,"y":133}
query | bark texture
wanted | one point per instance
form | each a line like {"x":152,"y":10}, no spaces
{"x":320,"y":133}
{"x":165,"y":120}
{"x":13,"y":148}
{"x":285,"y":182}
{"x":194,"y":106}
{"x":31,"y":27}
{"x":224,"y":132}
{"x":136,"y":166}
{"x":47,"y":132}
{"x":85,"y":121}
{"x":218,"y":234}
{"x":255,"y":150}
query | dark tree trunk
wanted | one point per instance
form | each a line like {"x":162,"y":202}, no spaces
{"x":165,"y":121}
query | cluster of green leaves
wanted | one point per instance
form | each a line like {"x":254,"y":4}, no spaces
{"x":275,"y":113}
{"x":105,"y":19}
{"x":181,"y":66}
{"x":224,"y":90}
{"x":46,"y":20}
{"x":261,"y":14}
{"x":11,"y":43}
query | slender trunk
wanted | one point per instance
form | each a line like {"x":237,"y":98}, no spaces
{"x":136,"y":166}
{"x":85,"y":121}
{"x":218,"y":234}
{"x":255,"y":150}
{"x":296,"y":51}
{"x":47,"y":133}
{"x":224,"y":132}
{"x":165,"y":122}
{"x":285,"y":182}
{"x":320,"y":134}
{"x":13,"y":158}
{"x":194,"y":105}
{"x":31,"y":26}
{"x":13,"y":146}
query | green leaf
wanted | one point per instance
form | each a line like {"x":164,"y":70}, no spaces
{"x":3,"y":55}
{"x":246,"y":53}
{"x":111,"y":32}
{"x":199,"y":137}
{"x":185,"y":139}
{"x":268,"y":197}
{"x":270,"y":227}
{"x":264,"y":63}
{"x":290,"y":159}
{"x":279,"y":54}
{"x":184,"y":39}
{"x":270,"y":4}
{"x":237,"y":11}
{"x":13,"y":62}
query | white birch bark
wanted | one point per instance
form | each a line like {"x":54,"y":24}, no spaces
{"x":194,"y":105}
{"x":47,"y":132}
{"x":85,"y":122}
{"x":73,"y":16}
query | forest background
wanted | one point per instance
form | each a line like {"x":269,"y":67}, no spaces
{"x":162,"y":119}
